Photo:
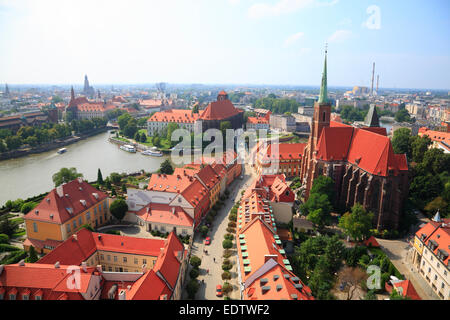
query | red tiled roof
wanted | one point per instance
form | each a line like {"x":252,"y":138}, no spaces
{"x":75,"y":251}
{"x":162,"y":213}
{"x":175,"y":183}
{"x":208,"y":176}
{"x":174,"y":115}
{"x":257,"y":120}
{"x":408,"y":289}
{"x":371,"y":151}
{"x":286,"y":151}
{"x":54,"y":208}
{"x":219,"y":110}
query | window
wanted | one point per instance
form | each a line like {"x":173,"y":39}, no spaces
{"x":12,"y":297}
{"x":88,"y":215}
{"x":109,"y":268}
{"x":144,"y":261}
{"x":68,"y":227}
{"x":135,"y":261}
{"x":80,"y":221}
{"x":26,"y":297}
{"x":102,"y":257}
{"x":38,"y":298}
{"x":95,"y":211}
{"x":124,"y":259}
{"x":108,"y":257}
{"x":101,"y":219}
{"x":442,"y":285}
{"x":115,"y":258}
{"x":74,"y":224}
{"x":435,"y":277}
{"x":35,"y":229}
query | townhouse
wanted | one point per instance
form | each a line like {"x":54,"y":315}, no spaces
{"x":62,"y":212}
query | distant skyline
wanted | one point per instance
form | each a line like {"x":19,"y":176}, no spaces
{"x":230,"y":42}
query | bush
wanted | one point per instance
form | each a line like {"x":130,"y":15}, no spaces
{"x":4,"y":238}
{"x":194,"y":273}
{"x":227,"y":253}
{"x":204,"y":231}
{"x":232,"y":224}
{"x":27,"y":207}
{"x":231,"y":230}
{"x":226,"y":267}
{"x":226,"y":275}
{"x":227,"y":244}
{"x":14,"y":257}
{"x":195,"y":262}
{"x":229,"y":236}
{"x":227,"y":288}
{"x":209,"y":218}
{"x":192,"y":288}
{"x":7,"y":247}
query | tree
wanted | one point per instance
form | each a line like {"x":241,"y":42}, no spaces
{"x":4,"y":238}
{"x":13,"y":142}
{"x":123,"y":120}
{"x":171,"y":127}
{"x":194,"y":273}
{"x":123,"y":188}
{"x":192,"y":288}
{"x":324,"y":185}
{"x":118,"y":208}
{"x":65,"y":175}
{"x":28,"y":206}
{"x":143,"y":137}
{"x":370,"y":295}
{"x":115,"y":177}
{"x":419,"y":146}
{"x":32,"y":256}
{"x":88,"y":227}
{"x":195,"y":262}
{"x":334,"y":252}
{"x":402,"y":115}
{"x":204,"y":231}
{"x":100,"y":177}
{"x":397,"y":296}
{"x":352,"y":277}
{"x":227,"y":244}
{"x":156,"y":140}
{"x":401,"y":141}
{"x":166,"y":167}
{"x":357,"y":224}
{"x":137,"y":136}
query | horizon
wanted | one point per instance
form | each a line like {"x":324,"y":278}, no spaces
{"x":228,"y":42}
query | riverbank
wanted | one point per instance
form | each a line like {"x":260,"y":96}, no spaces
{"x":49,"y":146}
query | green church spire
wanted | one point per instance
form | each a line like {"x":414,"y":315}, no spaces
{"x":323,"y":97}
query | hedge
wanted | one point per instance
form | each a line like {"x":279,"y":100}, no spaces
{"x":7,"y":247}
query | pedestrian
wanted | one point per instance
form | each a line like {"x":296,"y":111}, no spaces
{"x":214,"y":259}
{"x":207,"y":271}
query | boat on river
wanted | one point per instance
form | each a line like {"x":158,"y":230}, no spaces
{"x":128,"y":148}
{"x":152,"y":152}
{"x":61,"y":151}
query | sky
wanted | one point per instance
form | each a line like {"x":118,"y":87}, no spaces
{"x":274,"y":42}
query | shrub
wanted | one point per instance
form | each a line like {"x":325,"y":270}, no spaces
{"x":4,"y":247}
{"x":226,"y":261}
{"x":227,"y":288}
{"x":204,"y":231}
{"x":226,"y":267}
{"x":227,"y":253}
{"x":229,"y":236}
{"x":28,"y":206}
{"x":192,"y":288}
{"x":226,"y":275}
{"x":227,"y":244}
{"x":4,"y":238}
{"x":209,"y":218}
{"x":14,"y":257}
{"x":231,"y":230}
{"x":195,"y":262}
{"x":232,"y":224}
{"x":194,"y":273}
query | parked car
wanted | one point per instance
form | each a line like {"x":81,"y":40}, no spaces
{"x":219,"y":290}
{"x":207,"y":240}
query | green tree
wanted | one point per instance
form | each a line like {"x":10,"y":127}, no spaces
{"x":166,"y":167}
{"x":192,"y":288}
{"x":402,"y":115}
{"x":28,"y":206}
{"x":143,"y":137}
{"x":115,"y":177}
{"x":357,"y":224}
{"x":32,"y":256}
{"x":419,"y":146}
{"x":401,"y":141}
{"x":227,"y":244}
{"x":137,"y":136}
{"x":65,"y":175}
{"x":203,"y":231}
{"x":324,"y":185}
{"x":123,"y":120}
{"x":119,"y":208}
{"x":13,"y":142}
{"x":123,"y":188}
{"x":100,"y":177}
{"x":195,"y":262}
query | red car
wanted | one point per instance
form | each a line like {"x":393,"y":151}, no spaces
{"x":207,"y":240}
{"x":219,"y":290}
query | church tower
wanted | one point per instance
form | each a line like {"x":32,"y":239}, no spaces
{"x":322,"y":111}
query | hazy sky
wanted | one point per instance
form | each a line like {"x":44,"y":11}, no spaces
{"x":226,"y":41}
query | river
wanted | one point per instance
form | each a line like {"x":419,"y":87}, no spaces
{"x":32,"y":175}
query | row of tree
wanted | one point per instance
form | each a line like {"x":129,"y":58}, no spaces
{"x":277,"y":105}
{"x":47,"y":132}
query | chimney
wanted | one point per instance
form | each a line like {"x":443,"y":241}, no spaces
{"x":99,"y":237}
{"x":60,"y":191}
{"x":80,"y":180}
{"x":84,"y":266}
{"x":57,"y":265}
{"x":22,"y":263}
